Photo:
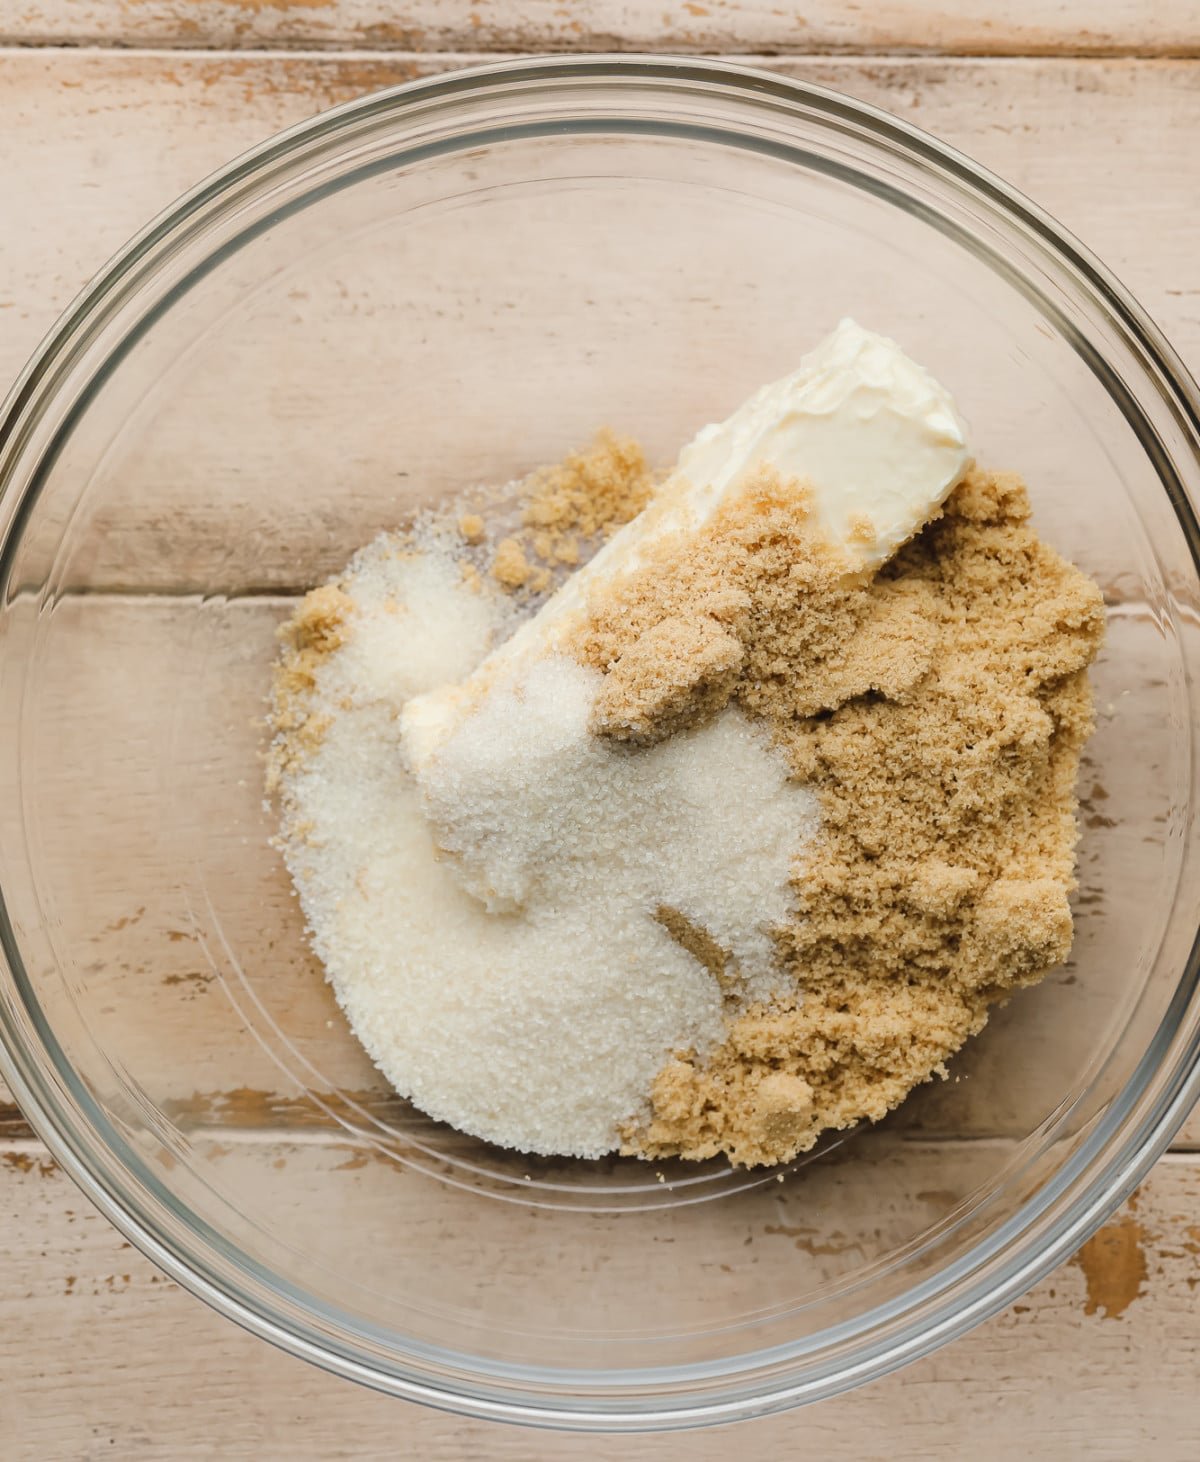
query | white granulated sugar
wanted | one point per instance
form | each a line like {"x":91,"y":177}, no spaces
{"x":540,"y":1026}
{"x":416,"y":625}
{"x":539,"y":812}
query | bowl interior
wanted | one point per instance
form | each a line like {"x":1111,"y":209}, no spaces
{"x":395,"y":321}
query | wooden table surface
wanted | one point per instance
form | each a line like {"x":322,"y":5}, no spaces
{"x":110,"y":108}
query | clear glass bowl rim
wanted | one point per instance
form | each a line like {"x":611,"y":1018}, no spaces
{"x":997,"y":1270}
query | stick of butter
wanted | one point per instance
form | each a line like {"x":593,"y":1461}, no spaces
{"x":876,"y":438}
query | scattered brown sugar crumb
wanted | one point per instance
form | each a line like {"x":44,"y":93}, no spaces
{"x":318,"y":627}
{"x":587,"y":495}
{"x":472,"y":527}
{"x":938,"y":712}
{"x":510,"y":567}
{"x":567,"y":509}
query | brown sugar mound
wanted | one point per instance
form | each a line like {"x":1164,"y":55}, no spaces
{"x":937,"y":711}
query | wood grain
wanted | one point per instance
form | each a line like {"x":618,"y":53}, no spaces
{"x":113,"y":137}
{"x":982,"y":27}
{"x":1098,"y":1361}
{"x":108,"y":140}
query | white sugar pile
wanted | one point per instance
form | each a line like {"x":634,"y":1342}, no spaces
{"x":541,"y":813}
{"x":524,"y":989}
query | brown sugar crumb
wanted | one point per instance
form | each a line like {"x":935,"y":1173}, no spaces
{"x":317,"y":629}
{"x":937,"y":712}
{"x":510,"y":567}
{"x":674,"y":672}
{"x":567,"y":509}
{"x":587,"y":495}
{"x":861,"y":528}
{"x":472,"y":527}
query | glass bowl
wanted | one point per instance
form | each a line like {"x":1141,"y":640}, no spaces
{"x":447,"y":283}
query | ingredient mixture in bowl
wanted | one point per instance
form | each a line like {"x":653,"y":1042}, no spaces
{"x":700,"y":814}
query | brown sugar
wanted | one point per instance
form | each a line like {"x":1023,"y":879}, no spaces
{"x":317,"y":628}
{"x":472,"y":527}
{"x":510,"y":567}
{"x":937,"y":711}
{"x":672,"y":674}
{"x":587,"y":495}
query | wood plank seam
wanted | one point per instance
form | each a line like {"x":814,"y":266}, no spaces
{"x":470,"y":48}
{"x":1113,"y":28}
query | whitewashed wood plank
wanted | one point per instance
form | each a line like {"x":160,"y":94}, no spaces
{"x":110,"y":138}
{"x":107,"y":140}
{"x":102,"y":1356}
{"x":985,"y":27}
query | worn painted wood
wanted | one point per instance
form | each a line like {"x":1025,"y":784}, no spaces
{"x":137,"y":128}
{"x":102,"y":1356}
{"x":107,"y":140}
{"x":985,"y":27}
